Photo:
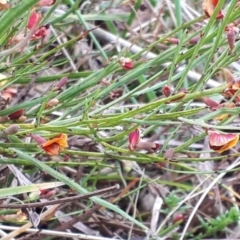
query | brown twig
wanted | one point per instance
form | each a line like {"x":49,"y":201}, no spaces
{"x":81,"y":217}
{"x":59,"y":201}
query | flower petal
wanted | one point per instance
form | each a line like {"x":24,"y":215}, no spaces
{"x":126,"y":63}
{"x":133,"y":139}
{"x":210,"y":103}
{"x":61,"y":140}
{"x":227,"y":75}
{"x":38,"y":139}
{"x":209,"y":7}
{"x":46,"y":3}
{"x":34,"y":19}
{"x":226,"y":115}
{"x":53,"y":149}
{"x":222,"y":142}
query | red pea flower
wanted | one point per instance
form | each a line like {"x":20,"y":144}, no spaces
{"x":135,"y":143}
{"x":220,"y":142}
{"x":34,"y":19}
{"x":40,"y":33}
{"x":53,"y":146}
{"x":134,"y":139}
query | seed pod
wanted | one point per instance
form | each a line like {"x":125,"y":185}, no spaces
{"x":13,"y":129}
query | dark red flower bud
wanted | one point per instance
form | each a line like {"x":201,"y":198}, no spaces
{"x":16,"y":115}
{"x":166,"y":90}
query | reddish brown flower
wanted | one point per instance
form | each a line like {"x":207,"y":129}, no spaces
{"x":135,"y":143}
{"x":220,"y":142}
{"x":56,"y":145}
{"x":126,"y":63}
{"x":209,"y":7}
